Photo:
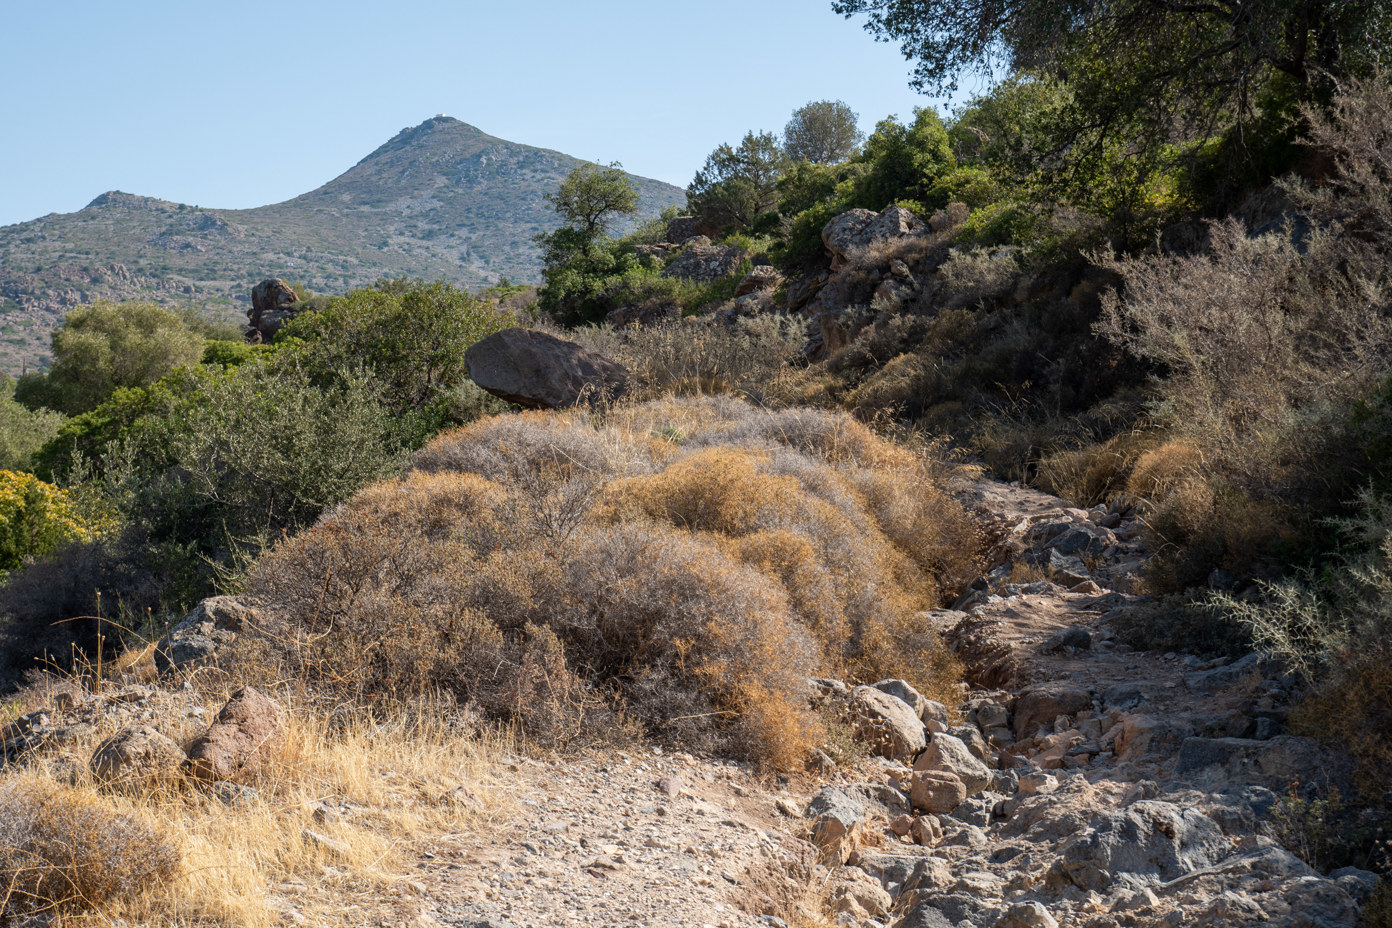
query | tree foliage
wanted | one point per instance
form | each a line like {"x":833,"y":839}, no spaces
{"x":411,"y":334}
{"x":105,"y":346}
{"x":1142,"y":75}
{"x":823,"y":132}
{"x":589,"y":200}
{"x":35,"y":518}
{"x":738,"y":185}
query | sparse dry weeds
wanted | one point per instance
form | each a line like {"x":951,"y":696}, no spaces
{"x":172,"y":854}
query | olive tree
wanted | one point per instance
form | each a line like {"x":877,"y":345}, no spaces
{"x":823,"y":132}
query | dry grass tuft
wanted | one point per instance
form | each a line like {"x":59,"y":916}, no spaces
{"x":686,"y":563}
{"x":387,"y":782}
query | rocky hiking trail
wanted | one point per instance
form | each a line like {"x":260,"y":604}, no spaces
{"x":1078,"y":782}
{"x":1081,"y":783}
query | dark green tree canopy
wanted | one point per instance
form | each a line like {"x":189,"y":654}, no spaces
{"x":591,"y":197}
{"x":823,"y":132}
{"x":1141,"y":74}
{"x":737,"y":185}
{"x":103,"y":347}
{"x":1226,"y":40}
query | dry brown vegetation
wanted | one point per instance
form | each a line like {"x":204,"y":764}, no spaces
{"x":684,"y":564}
{"x":167,"y":853}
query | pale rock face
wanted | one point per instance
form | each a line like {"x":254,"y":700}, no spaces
{"x":888,"y":725}
{"x":946,"y":754}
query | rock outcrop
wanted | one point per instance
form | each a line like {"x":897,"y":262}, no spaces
{"x":703,"y":263}
{"x":212,"y":626}
{"x":246,"y":734}
{"x":272,"y":305}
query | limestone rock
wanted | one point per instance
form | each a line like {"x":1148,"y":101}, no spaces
{"x":705,"y":263}
{"x":889,"y":726}
{"x":835,"y":824}
{"x":135,"y":755}
{"x":1027,"y":915}
{"x":246,"y":733}
{"x":212,"y":625}
{"x":948,"y":754}
{"x":937,"y":791}
{"x":903,"y":690}
{"x":762,"y":277}
{"x":540,"y":371}
{"x":860,"y":228}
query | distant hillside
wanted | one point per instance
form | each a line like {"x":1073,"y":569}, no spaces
{"x":443,"y":199}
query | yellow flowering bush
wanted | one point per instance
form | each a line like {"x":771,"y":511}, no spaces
{"x":36,"y":517}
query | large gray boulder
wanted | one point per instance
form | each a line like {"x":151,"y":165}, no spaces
{"x":540,"y":371}
{"x":1148,"y":839}
{"x":860,"y":228}
{"x":212,"y":625}
{"x":703,"y":263}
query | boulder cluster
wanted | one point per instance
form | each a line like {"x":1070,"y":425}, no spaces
{"x":1077,"y":781}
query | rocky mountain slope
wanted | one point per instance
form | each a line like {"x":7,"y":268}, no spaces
{"x":442,"y":199}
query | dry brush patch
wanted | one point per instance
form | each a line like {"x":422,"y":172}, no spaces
{"x":168,"y":853}
{"x":684,"y":565}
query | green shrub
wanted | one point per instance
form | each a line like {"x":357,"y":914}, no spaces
{"x":411,"y":335}
{"x":103,"y":347}
{"x":36,"y":518}
{"x":23,"y":431}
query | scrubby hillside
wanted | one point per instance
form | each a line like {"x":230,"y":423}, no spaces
{"x":438,"y":200}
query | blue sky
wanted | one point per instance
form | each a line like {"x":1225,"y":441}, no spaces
{"x":242,"y":104}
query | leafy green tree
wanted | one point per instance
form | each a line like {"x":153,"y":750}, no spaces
{"x":823,"y":132}
{"x":579,"y":258}
{"x":738,"y":185}
{"x":23,"y":431}
{"x":1141,"y":74}
{"x":903,"y":161}
{"x":105,"y":346}
{"x":411,"y":334}
{"x":590,"y":199}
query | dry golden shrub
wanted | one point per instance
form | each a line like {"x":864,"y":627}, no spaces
{"x":1161,"y":471}
{"x":688,"y":563}
{"x":63,"y":851}
{"x":1097,"y":473}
